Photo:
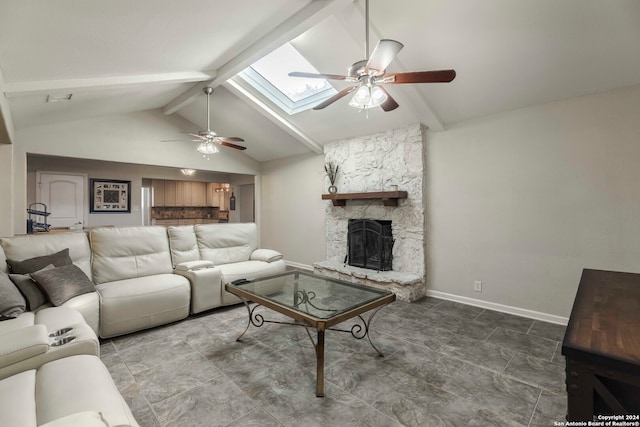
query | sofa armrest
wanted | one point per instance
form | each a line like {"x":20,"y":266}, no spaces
{"x":193,"y":265}
{"x":206,"y":287}
{"x":22,"y":344}
{"x":84,"y":419}
{"x":266,"y":255}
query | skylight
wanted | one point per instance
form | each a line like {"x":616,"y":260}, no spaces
{"x":293,"y":94}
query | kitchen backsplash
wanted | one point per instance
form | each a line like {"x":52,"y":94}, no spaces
{"x":185,"y":212}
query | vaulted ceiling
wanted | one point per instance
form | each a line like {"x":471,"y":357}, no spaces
{"x":119,"y":56}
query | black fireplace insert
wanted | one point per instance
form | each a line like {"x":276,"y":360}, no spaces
{"x":370,"y":244}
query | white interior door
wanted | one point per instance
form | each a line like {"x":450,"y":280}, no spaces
{"x":64,"y":196}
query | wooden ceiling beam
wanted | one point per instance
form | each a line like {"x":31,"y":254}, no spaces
{"x":16,"y":89}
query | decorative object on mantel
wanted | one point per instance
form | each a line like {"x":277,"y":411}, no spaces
{"x":332,"y":173}
{"x":389,"y":198}
{"x":232,"y":202}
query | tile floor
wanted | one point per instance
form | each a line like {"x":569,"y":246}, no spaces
{"x":445,"y":364}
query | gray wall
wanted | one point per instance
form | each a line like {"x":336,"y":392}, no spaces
{"x":523,"y":201}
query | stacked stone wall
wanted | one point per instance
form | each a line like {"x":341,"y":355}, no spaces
{"x":376,"y":163}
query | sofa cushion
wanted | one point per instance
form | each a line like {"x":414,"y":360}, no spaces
{"x":226,"y":243}
{"x":88,"y":305}
{"x":63,"y":283}
{"x":121,"y":253}
{"x":133,"y":304}
{"x":37,"y":263}
{"x":12,"y":303}
{"x":34,"y":245}
{"x":18,"y":402}
{"x":77,"y":384}
{"x":33,"y":295}
{"x":183,"y":244}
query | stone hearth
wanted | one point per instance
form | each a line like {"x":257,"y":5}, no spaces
{"x":407,"y":286}
{"x":374,"y":163}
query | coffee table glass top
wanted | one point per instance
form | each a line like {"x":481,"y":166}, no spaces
{"x":318,"y":296}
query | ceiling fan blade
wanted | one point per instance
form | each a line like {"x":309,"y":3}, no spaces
{"x":344,"y":92}
{"x":439,"y":76}
{"x":390,"y":104}
{"x":228,"y":144}
{"x":195,"y":135}
{"x":317,"y":76}
{"x":385,"y":51}
{"x":232,"y":138}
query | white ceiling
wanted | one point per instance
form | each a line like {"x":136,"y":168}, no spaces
{"x":120,"y":56}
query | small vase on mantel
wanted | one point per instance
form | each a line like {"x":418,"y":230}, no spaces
{"x":332,"y":173}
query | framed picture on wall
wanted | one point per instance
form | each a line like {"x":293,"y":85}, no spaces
{"x":109,"y":196}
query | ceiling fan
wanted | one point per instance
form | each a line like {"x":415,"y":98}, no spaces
{"x":209,"y":139}
{"x":370,"y":74}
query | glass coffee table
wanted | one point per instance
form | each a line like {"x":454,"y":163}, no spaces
{"x":312,"y":301}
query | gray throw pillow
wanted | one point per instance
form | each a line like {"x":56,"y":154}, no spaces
{"x":30,"y":289}
{"x":34,"y":264}
{"x":63,"y":283}
{"x":12,"y":303}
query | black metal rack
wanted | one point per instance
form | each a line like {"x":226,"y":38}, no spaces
{"x":34,"y":224}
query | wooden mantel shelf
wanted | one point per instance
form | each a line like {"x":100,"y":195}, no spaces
{"x":389,"y":198}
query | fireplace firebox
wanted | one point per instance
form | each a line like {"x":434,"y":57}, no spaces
{"x":370,"y":244}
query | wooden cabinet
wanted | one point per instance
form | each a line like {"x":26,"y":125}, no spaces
{"x":170,"y":191}
{"x":167,"y":222}
{"x":186,"y":193}
{"x":183,"y":193}
{"x":157,"y":187}
{"x":601,"y":346}
{"x":199,"y":194}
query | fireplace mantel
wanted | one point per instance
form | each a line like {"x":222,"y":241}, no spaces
{"x":389,"y":198}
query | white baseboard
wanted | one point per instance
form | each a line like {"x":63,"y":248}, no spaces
{"x":531,"y":314}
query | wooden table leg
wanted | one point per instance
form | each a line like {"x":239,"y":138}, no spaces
{"x":320,"y":362}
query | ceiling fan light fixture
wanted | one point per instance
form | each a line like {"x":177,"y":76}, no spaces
{"x":207,"y":148}
{"x":188,"y":172}
{"x":366,"y":98}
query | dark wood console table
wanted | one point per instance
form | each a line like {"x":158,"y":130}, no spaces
{"x":602,"y":347}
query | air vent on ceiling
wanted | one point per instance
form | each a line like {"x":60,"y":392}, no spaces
{"x":59,"y":98}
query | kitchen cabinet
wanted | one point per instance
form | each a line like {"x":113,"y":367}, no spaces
{"x":170,"y":191}
{"x":199,"y":194}
{"x":167,"y":222}
{"x":186,"y":193}
{"x":183,"y":193}
{"x":157,"y":186}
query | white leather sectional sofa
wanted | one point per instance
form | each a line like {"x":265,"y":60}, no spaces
{"x":144,"y":277}
{"x":149,"y":276}
{"x":46,"y":381}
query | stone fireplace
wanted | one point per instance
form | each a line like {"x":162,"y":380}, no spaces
{"x":380,"y":162}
